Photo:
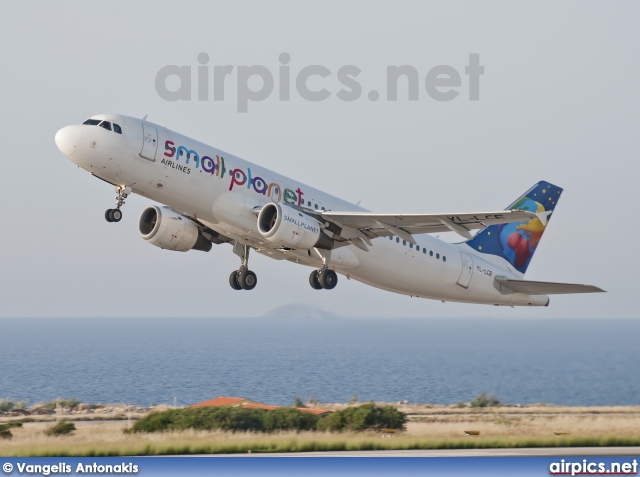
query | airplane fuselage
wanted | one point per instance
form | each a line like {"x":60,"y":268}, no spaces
{"x":225,"y":193}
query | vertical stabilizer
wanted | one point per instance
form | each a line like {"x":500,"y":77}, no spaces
{"x":518,"y":241}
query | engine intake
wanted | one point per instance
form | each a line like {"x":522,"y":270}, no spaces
{"x":287,"y":227}
{"x":171,"y":231}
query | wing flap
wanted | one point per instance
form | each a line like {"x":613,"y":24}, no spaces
{"x":531,"y":287}
{"x":384,"y":224}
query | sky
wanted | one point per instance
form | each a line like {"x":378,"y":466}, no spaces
{"x":558,"y":101}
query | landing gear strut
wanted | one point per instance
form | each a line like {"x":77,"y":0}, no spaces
{"x":243,"y":279}
{"x":323,"y":278}
{"x":115,"y":215}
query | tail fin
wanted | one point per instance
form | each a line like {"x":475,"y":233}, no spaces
{"x":517,"y":242}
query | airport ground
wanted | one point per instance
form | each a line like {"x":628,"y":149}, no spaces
{"x":431,"y":430}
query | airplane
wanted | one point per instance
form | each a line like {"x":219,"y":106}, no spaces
{"x":212,"y":197}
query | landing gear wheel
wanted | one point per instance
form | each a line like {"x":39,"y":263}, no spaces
{"x":233,"y":281}
{"x":328,"y":279}
{"x":113,"y":215}
{"x":247,"y":280}
{"x":314,"y":281}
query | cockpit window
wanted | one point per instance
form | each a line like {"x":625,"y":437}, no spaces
{"x":103,"y":124}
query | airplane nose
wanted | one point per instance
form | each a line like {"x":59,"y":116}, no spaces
{"x":67,"y":139}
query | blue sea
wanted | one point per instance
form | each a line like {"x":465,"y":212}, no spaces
{"x":273,"y":360}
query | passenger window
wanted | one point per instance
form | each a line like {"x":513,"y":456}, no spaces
{"x":117,"y":128}
{"x":410,"y":245}
{"x":315,"y":206}
{"x":397,"y":240}
{"x":106,"y":125}
{"x":92,"y":122}
{"x":431,"y":253}
{"x":417,"y":248}
{"x":437,"y":255}
{"x":404,"y":242}
{"x":309,"y":203}
{"x":424,"y":250}
{"x":444,"y":259}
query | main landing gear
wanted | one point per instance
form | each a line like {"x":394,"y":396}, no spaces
{"x":115,"y":215}
{"x":323,"y":278}
{"x":243,"y":279}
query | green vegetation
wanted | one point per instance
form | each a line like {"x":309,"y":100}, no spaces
{"x":63,"y":428}
{"x":366,"y":416}
{"x":226,"y":419}
{"x":484,"y":400}
{"x":5,"y":433}
{"x":7,"y":405}
{"x":69,"y":404}
{"x":441,"y":428}
{"x":309,"y":443}
{"x":297,"y":402}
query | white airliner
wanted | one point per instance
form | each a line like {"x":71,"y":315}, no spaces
{"x":212,"y":197}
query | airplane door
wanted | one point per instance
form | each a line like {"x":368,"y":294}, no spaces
{"x":149,"y":142}
{"x":467,"y":270}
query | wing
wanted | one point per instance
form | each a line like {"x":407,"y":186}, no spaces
{"x":367,"y":225}
{"x":509,"y":285}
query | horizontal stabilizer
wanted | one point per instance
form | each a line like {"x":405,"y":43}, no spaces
{"x":529,"y":287}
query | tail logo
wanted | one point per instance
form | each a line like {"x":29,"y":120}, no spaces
{"x":517,"y":242}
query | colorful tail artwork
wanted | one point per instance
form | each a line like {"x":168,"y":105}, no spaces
{"x":517,"y":242}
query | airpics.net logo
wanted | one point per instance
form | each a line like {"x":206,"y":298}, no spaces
{"x":255,"y":83}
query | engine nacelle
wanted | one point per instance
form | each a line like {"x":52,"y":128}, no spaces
{"x":166,"y":229}
{"x":289,"y":228}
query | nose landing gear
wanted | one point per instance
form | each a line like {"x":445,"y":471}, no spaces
{"x":115,"y":215}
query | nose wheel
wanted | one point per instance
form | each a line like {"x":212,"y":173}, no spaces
{"x":115,"y":215}
{"x":243,"y":279}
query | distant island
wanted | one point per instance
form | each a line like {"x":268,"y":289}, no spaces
{"x":298,"y":310}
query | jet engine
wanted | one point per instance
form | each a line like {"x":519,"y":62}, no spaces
{"x":285,"y":226}
{"x":162,"y":227}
